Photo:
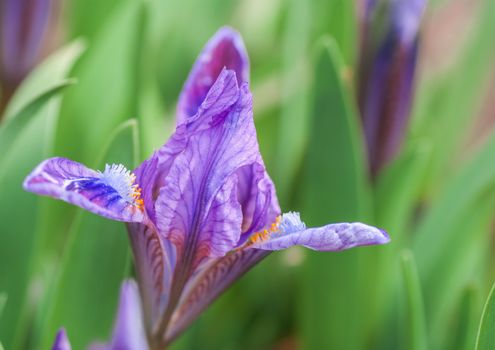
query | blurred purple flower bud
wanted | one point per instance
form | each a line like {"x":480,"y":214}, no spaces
{"x":389,"y":49}
{"x":22,"y":29}
{"x":61,"y":341}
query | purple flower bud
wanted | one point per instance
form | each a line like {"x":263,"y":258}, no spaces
{"x":389,"y":49}
{"x":61,"y":341}
{"x":22,"y":29}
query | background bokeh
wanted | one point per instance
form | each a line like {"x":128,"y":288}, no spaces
{"x":102,"y":89}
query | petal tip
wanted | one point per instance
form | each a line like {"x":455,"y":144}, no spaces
{"x":384,"y":238}
{"x":61,"y":340}
{"x":225,"y":49}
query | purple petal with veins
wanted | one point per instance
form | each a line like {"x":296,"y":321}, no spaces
{"x":217,"y":147}
{"x":112,"y":193}
{"x":224,"y":50}
{"x":330,"y":238}
{"x":204,"y":288}
{"x":155,"y":260}
{"x":256,"y":194}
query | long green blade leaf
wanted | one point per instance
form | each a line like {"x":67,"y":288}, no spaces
{"x":334,"y":189}
{"x":3,"y":301}
{"x":25,"y":146}
{"x":486,"y":330}
{"x":415,"y":337}
{"x":293,"y":119}
{"x":46,"y":77}
{"x":468,"y":319}
{"x":12,"y":127}
{"x":106,"y":94}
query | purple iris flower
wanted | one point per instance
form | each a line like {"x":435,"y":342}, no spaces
{"x":389,"y":51}
{"x":202,"y":210}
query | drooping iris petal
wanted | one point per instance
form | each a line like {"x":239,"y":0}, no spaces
{"x":112,"y":193}
{"x":224,"y":50}
{"x":217,"y":146}
{"x":155,"y":260}
{"x":330,"y":238}
{"x":204,"y":288}
{"x":61,"y":341}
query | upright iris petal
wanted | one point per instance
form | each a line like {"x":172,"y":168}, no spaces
{"x":386,"y":74}
{"x":202,"y":210}
{"x":225,"y":50}
{"x":128,"y":332}
{"x":197,"y":208}
{"x":61,"y":341}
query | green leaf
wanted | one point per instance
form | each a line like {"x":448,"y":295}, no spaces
{"x":451,"y":241}
{"x":107,"y":91}
{"x":415,"y":329}
{"x":87,"y":17}
{"x":468,"y":319}
{"x":47,"y":77}
{"x":436,"y":236}
{"x":25,"y":147}
{"x":95,"y":260}
{"x":12,"y":127}
{"x":3,"y":301}
{"x":398,"y":189}
{"x":338,"y":18}
{"x":334,"y":188}
{"x":486,"y":330}
{"x":396,"y":195}
{"x":292,"y":131}
{"x":447,"y":101}
{"x":466,"y":260}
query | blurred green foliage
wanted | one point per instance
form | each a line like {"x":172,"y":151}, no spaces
{"x":112,"y":99}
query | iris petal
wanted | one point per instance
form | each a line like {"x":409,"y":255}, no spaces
{"x":111,"y":194}
{"x":224,"y":50}
{"x":204,"y":288}
{"x":330,"y":238}
{"x":257,"y":197}
{"x":155,"y":260}
{"x":217,"y":145}
{"x":61,"y":341}
{"x":128,"y":332}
